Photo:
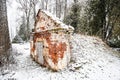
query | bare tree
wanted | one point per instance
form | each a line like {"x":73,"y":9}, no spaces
{"x":34,"y":2}
{"x":26,"y":7}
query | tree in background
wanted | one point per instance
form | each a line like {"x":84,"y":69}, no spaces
{"x":34,"y":3}
{"x":58,"y":8}
{"x":22,"y":30}
{"x":73,"y":18}
{"x":96,"y":12}
{"x":65,"y":8}
{"x":113,"y":23}
{"x":113,"y":19}
{"x":28,"y":7}
{"x":103,"y":15}
{"x":4,"y":33}
{"x":98,"y":17}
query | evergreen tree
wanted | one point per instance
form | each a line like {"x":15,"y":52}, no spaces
{"x":73,"y":18}
{"x":22,"y":30}
{"x":97,"y":16}
{"x":104,"y":14}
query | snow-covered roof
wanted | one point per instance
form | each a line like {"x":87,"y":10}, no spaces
{"x":57,"y":20}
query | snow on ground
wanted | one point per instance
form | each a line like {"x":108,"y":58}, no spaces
{"x":92,"y":60}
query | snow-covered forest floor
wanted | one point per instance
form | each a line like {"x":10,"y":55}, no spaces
{"x":91,"y":60}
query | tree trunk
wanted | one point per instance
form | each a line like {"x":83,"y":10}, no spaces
{"x":46,"y":1}
{"x":103,"y":18}
{"x":4,"y":32}
{"x":28,"y":25}
{"x":34,"y":9}
{"x":65,"y":8}
{"x":75,"y":1}
{"x":58,"y":8}
{"x":43,"y":6}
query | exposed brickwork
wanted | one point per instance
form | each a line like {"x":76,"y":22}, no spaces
{"x":56,"y":48}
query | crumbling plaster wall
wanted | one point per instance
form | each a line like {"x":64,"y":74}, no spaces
{"x":56,"y":46}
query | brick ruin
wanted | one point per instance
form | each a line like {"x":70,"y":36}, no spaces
{"x":50,"y":41}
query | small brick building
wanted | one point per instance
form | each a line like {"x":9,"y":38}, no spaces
{"x":50,"y":41}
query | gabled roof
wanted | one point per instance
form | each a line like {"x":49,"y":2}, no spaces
{"x":56,"y":20}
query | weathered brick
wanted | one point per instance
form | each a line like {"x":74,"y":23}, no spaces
{"x":54,"y":37}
